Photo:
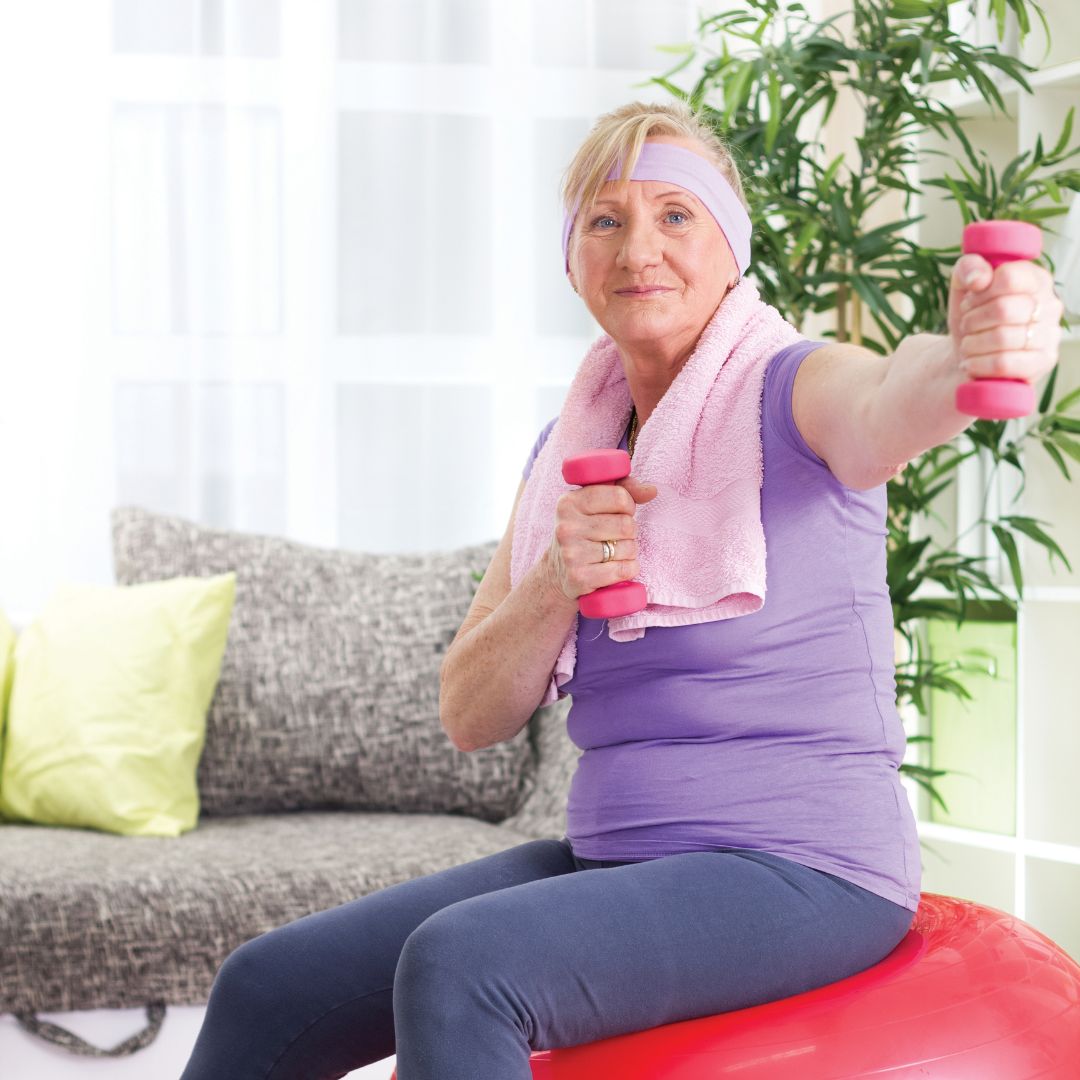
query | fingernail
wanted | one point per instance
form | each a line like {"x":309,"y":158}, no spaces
{"x":969,"y":277}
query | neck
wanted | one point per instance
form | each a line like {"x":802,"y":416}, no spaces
{"x":649,"y":379}
{"x":652,"y":365}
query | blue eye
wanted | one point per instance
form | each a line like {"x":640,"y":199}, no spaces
{"x":598,"y":222}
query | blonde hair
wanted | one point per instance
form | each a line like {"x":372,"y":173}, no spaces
{"x":619,"y":135}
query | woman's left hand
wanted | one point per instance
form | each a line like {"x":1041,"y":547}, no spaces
{"x":1004,"y":322}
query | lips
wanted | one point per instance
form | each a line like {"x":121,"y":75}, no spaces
{"x":642,"y":290}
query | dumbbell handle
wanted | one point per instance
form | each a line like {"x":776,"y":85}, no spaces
{"x":999,"y":242}
{"x":622,"y":597}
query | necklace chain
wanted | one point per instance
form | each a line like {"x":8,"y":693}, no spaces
{"x":631,"y":439}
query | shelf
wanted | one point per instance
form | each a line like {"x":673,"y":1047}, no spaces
{"x":1016,"y":872}
{"x":973,"y":104}
{"x":1061,"y":594}
{"x":971,"y":100}
{"x":1065,"y":76}
{"x":933,"y":830}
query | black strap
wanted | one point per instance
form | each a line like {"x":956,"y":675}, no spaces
{"x":155,"y":1014}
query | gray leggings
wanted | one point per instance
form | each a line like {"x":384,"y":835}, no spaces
{"x":465,"y":971}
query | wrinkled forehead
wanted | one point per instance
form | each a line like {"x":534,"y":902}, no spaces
{"x":615,"y":193}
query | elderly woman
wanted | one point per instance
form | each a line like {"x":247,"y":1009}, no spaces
{"x":736,"y":831}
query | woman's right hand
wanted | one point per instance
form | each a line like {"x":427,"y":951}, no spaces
{"x":583,"y":518}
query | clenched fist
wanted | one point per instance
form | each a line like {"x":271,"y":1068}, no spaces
{"x":584,"y":518}
{"x":1004,"y":323}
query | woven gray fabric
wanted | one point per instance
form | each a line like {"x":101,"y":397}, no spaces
{"x":61,"y":1036}
{"x":95,"y":920}
{"x":329,"y":688}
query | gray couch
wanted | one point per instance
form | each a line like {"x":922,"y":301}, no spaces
{"x":325,"y":775}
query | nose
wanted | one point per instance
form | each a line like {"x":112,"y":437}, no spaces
{"x":642,"y":244}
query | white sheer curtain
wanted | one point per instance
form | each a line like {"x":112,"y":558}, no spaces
{"x":290,"y":266}
{"x":287,"y":266}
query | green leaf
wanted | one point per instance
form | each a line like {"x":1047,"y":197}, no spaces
{"x":1008,"y":545}
{"x":685,"y":47}
{"x":923,"y":770}
{"x":1068,"y":399}
{"x":735,"y":91}
{"x":825,"y":184}
{"x":1036,"y":216}
{"x":772,"y":125}
{"x":763,"y":26}
{"x":1056,"y":456}
{"x":998,"y":7}
{"x":951,"y":463}
{"x":1029,"y":527}
{"x":916,"y":772}
{"x":910,"y":9}
{"x":670,"y":87}
{"x":1063,"y":442}
{"x":807,"y":233}
{"x":903,"y":560}
{"x":1048,"y":37}
{"x":1048,"y":391}
{"x":1066,"y":131}
{"x":876,"y":300}
{"x":1012,"y":170}
{"x":958,"y":195}
{"x":926,"y":52}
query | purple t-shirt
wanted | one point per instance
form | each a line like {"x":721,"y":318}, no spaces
{"x":776,"y":731}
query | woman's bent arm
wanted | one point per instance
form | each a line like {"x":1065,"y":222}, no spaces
{"x":495,"y":675}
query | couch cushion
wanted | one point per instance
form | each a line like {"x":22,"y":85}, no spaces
{"x":7,"y":672}
{"x":108,"y":710}
{"x":94,"y":920}
{"x":329,"y":689}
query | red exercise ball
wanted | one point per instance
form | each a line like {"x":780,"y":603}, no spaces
{"x":971,"y":993}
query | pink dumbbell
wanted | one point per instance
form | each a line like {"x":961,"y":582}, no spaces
{"x":623,"y":597}
{"x":998,"y":242}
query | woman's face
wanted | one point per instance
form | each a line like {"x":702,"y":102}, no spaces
{"x":651,"y":264}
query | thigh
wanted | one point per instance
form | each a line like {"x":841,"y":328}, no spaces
{"x":627,"y":947}
{"x":366,"y":935}
{"x":315,"y":994}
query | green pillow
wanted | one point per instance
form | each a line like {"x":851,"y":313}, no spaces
{"x":108,"y":708}
{"x":7,"y":670}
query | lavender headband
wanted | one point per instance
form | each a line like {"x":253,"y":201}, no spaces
{"x":677,"y":165}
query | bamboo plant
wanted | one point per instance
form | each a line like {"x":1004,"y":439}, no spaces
{"x":817,"y":250}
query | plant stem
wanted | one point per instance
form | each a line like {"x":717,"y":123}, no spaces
{"x":982,"y":519}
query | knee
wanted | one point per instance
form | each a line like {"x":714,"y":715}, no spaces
{"x":248,"y":978}
{"x":450,"y":944}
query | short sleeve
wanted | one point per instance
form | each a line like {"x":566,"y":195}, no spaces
{"x":779,"y":383}
{"x":541,"y":439}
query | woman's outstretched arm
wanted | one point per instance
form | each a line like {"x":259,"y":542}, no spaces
{"x":867,"y":415}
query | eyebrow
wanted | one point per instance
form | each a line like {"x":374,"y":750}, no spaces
{"x":662,"y":195}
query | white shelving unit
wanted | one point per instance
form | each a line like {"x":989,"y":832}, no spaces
{"x":1035,"y":873}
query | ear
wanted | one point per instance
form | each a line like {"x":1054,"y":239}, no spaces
{"x":570,"y":278}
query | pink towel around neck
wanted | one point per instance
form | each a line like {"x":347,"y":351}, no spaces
{"x":701,"y":545}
